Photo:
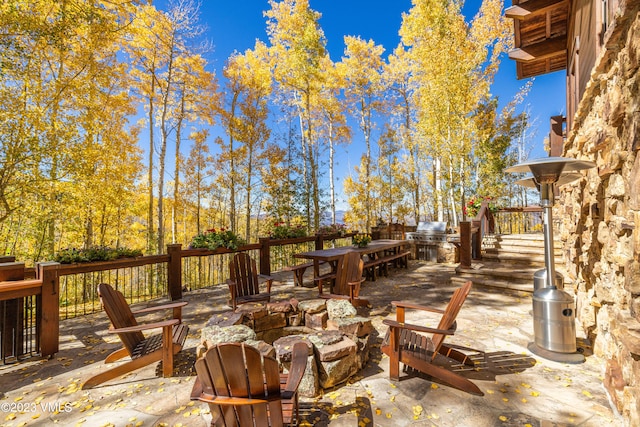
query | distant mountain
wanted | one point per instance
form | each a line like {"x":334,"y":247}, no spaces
{"x":326,"y":218}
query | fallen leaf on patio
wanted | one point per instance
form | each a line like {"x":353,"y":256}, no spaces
{"x":388,"y":415}
{"x":392,"y":398}
{"x":535,"y":393}
{"x":523,"y":400}
{"x":502,"y":418}
{"x":417,"y":410}
{"x":434,"y":386}
{"x":586,"y":393}
{"x":11,"y":416}
{"x":378,"y":411}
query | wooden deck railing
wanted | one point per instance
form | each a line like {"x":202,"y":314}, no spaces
{"x":61,"y":291}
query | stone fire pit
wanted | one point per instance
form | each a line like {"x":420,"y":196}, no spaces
{"x":338,"y":339}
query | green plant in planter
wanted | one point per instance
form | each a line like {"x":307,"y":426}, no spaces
{"x":217,"y":238}
{"x":94,"y":253}
{"x":361,"y":240}
{"x":283,"y":230}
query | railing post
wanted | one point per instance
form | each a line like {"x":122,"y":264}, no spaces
{"x":174,"y":271}
{"x":49,"y":311}
{"x":319,"y":242}
{"x":465,"y":244}
{"x":265,"y":256}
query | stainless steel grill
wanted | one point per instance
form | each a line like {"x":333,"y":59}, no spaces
{"x":427,"y":238}
{"x":433,"y":232}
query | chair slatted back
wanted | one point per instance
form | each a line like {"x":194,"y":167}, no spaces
{"x":244,"y":273}
{"x":120,"y":315}
{"x":237,"y":370}
{"x":349,"y":270}
{"x":448,"y":319}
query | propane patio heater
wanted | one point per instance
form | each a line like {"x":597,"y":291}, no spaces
{"x":540,"y":276}
{"x":553,"y":309}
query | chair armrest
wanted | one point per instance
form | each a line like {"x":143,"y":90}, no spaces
{"x":413,"y":306}
{"x":144,"y":327}
{"x":299,"y":356}
{"x":356,"y":283}
{"x":268,"y":280}
{"x":177,"y":304}
{"x":409,"y":326}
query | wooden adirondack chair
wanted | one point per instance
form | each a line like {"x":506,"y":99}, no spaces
{"x":347,"y":281}
{"x":404,"y":343}
{"x":243,"y":388}
{"x":142,"y":350}
{"x":244,"y":282}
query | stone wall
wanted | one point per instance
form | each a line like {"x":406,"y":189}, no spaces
{"x":600,"y":215}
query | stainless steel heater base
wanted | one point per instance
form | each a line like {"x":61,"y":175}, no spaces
{"x":573,"y":358}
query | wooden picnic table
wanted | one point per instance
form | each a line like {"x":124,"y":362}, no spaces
{"x":376,"y":252}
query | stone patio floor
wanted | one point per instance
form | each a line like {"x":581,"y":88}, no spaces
{"x":521,"y":389}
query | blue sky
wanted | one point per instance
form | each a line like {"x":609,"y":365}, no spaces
{"x":235,"y":25}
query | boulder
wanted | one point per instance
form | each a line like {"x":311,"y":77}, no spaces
{"x":212,"y":335}
{"x":337,"y":308}
{"x":337,"y":371}
{"x":313,"y":305}
{"x":355,"y":326}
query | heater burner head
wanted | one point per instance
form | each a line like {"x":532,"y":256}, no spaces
{"x":549,"y":170}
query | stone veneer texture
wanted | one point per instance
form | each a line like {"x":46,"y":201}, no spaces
{"x":600,"y":215}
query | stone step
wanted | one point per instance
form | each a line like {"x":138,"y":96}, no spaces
{"x":518,"y":241}
{"x":518,"y":258}
{"x":493,"y":283}
{"x":501,"y":275}
{"x":499,"y":271}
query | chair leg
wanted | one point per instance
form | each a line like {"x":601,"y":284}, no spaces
{"x":394,"y":354}
{"x":167,"y":351}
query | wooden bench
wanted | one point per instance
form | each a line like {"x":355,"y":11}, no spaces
{"x":298,"y":271}
{"x":383,"y":262}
